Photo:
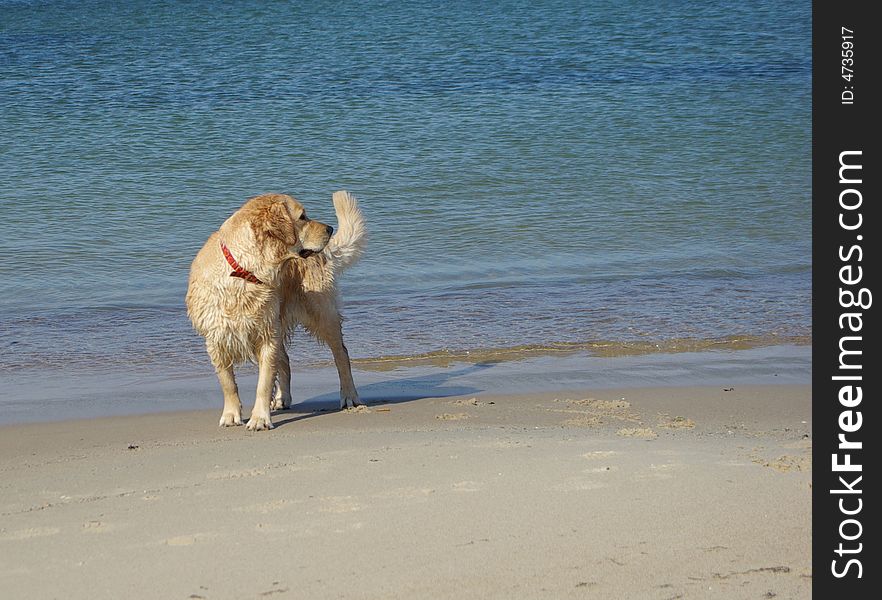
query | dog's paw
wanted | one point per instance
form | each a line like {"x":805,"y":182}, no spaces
{"x":259,"y":423}
{"x":350,"y":400}
{"x":281,"y":402}
{"x":229,"y":419}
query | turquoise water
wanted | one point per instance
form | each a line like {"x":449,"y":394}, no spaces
{"x":533,"y":173}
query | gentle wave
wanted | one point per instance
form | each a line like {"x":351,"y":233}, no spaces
{"x":444,"y":358}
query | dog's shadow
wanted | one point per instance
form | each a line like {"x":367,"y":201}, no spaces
{"x":395,"y":391}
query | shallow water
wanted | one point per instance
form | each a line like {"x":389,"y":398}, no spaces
{"x":69,"y":395}
{"x":533,"y":173}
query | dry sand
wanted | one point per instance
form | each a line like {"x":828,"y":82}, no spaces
{"x":637,"y":493}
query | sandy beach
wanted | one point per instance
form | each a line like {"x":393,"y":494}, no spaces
{"x":652,"y":492}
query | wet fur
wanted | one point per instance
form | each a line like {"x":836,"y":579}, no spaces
{"x":243,"y":321}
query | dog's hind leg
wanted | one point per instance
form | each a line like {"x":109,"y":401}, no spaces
{"x":332,"y":335}
{"x":328,"y":327}
{"x":282,"y":397}
{"x":348,"y":393}
{"x":232,"y":414}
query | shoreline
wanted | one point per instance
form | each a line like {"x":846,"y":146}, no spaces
{"x":59,"y":396}
{"x":650,"y":492}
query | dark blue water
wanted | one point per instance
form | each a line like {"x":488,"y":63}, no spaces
{"x":532,"y":172}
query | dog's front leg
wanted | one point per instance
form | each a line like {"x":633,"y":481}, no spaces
{"x":232,"y":414}
{"x":260,"y":414}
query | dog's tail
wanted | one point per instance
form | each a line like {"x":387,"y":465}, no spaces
{"x":348,"y":242}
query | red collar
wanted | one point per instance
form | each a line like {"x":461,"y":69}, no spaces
{"x":238,"y":271}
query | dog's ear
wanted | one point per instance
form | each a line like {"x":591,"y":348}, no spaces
{"x":275,"y":223}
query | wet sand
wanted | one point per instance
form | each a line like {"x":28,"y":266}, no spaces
{"x":593,"y":492}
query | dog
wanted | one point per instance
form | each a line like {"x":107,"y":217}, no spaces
{"x":268,"y":269}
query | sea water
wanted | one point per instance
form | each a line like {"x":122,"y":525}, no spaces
{"x":534,"y":174}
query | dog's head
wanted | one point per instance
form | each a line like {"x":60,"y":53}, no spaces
{"x":280,"y":224}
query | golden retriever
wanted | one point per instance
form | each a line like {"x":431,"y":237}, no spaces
{"x":266,"y":270}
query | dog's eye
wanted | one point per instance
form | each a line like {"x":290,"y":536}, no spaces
{"x":303,"y":217}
